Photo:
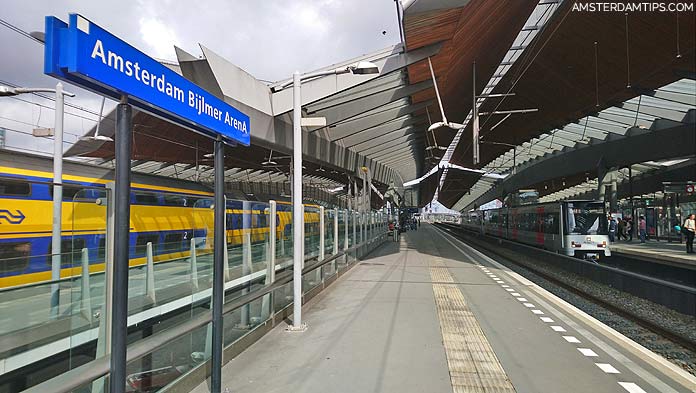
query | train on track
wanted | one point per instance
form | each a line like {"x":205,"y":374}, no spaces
{"x":165,"y":212}
{"x":574,"y":228}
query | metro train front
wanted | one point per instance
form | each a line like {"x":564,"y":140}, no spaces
{"x":573,"y":228}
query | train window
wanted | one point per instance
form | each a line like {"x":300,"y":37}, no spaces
{"x":146,"y":198}
{"x":262,"y":221}
{"x":70,"y":252}
{"x":14,"y":257}
{"x":69,"y":191}
{"x":175,"y":200}
{"x":101,"y":251}
{"x":551,"y":223}
{"x":200,"y":202}
{"x":142,"y":240}
{"x":172,"y":241}
{"x":14,"y":188}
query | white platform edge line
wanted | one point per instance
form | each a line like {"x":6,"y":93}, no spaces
{"x":658,"y":362}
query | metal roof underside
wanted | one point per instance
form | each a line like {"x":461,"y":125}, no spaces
{"x":552,"y":67}
{"x":658,"y":125}
{"x":370,"y":123}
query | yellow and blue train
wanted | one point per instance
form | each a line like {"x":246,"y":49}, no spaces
{"x":164,"y":211}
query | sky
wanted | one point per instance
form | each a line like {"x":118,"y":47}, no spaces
{"x":270,"y":39}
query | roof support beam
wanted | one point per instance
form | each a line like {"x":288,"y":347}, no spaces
{"x":358,"y":124}
{"x":627,"y":120}
{"x":662,"y":113}
{"x":383,"y":83}
{"x":686,"y":99}
{"x":394,"y":142}
{"x":384,"y":129}
{"x":402,"y":147}
{"x":411,"y":151}
{"x":384,"y":138}
{"x":343,"y":112}
{"x":674,"y":141}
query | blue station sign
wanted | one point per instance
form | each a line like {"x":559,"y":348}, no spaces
{"x":84,"y":54}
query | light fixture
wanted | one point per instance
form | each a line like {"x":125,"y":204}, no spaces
{"x":363,"y":68}
{"x":96,"y":136}
{"x":269,"y":162}
{"x":449,"y":124}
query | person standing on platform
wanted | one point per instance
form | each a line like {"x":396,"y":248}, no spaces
{"x":642,"y":227}
{"x":612,"y":229}
{"x":690,"y":227}
{"x":621,"y":232}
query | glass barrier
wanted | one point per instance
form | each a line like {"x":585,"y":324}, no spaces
{"x":342,"y":230}
{"x":169,"y":278}
{"x":329,"y":217}
{"x":311,"y":231}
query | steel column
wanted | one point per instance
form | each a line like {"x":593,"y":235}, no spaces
{"x":119,"y":301}
{"x":218,"y":267}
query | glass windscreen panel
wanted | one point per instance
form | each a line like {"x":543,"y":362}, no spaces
{"x":584,"y":218}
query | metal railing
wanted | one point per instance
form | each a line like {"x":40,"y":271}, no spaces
{"x":98,"y":368}
{"x":254,"y":282}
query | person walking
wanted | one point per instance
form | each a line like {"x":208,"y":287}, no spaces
{"x":612,"y":229}
{"x":621,"y":232}
{"x":629,"y":229}
{"x":690,"y":231}
{"x":642,"y":227}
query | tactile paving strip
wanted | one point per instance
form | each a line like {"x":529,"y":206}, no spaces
{"x":473,"y":366}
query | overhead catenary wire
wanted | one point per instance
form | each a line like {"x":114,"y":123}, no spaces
{"x":532,"y":52}
{"x":20,"y":31}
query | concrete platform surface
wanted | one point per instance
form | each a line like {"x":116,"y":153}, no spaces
{"x":429,"y":314}
{"x":662,"y":251}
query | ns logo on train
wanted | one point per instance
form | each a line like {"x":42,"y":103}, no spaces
{"x":7,"y":217}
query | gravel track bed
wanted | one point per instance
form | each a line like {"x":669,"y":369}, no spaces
{"x":665,"y":317}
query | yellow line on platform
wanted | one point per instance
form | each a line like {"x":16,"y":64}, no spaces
{"x":473,"y":366}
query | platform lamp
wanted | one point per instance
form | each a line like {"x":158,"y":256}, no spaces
{"x":56,"y":232}
{"x":359,"y":68}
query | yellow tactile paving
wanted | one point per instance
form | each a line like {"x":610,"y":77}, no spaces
{"x":473,"y":366}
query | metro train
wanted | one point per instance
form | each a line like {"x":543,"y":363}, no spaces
{"x":573,"y":228}
{"x":164,"y":211}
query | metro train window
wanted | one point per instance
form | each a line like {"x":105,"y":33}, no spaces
{"x":14,"y":188}
{"x":142,"y":240}
{"x":14,"y":257}
{"x":551,"y":221}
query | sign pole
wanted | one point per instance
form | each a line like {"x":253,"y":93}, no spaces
{"x":218,"y":266}
{"x":119,"y":301}
{"x":56,"y":233}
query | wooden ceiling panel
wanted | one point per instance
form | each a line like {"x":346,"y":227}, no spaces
{"x":557,"y":74}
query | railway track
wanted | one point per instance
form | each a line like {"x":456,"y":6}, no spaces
{"x":664,"y":332}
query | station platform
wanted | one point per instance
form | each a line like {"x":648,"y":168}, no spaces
{"x":673,"y":253}
{"x":431,"y":314}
